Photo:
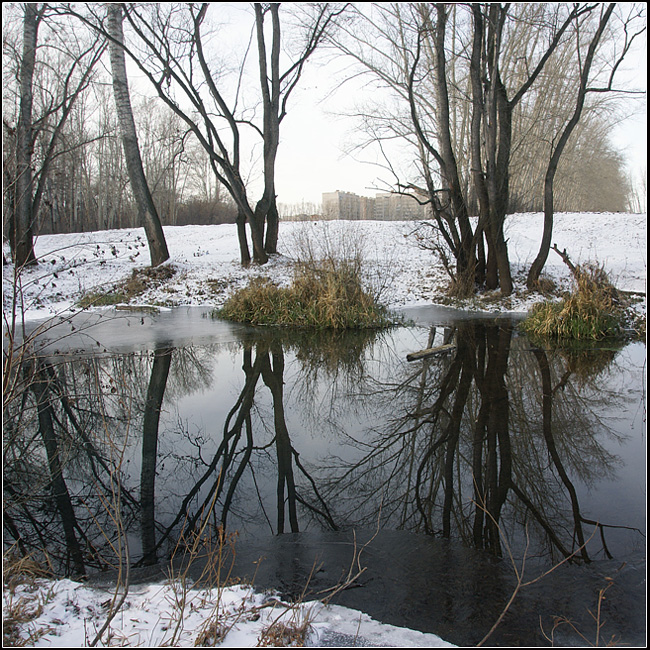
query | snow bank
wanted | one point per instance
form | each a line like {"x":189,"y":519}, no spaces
{"x":151,"y":617}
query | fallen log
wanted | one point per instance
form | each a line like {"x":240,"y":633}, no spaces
{"x":430,"y":352}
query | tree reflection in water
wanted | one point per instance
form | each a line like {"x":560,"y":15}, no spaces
{"x":494,"y":426}
{"x":484,"y":444}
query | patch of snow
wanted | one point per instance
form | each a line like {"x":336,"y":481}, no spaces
{"x":151,"y":617}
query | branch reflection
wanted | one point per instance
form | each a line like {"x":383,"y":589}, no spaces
{"x":484,"y":445}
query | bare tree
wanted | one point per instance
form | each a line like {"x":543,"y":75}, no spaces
{"x":637,"y":200}
{"x":26,"y":183}
{"x":276,"y":87}
{"x":585,"y":70}
{"x":163,"y":147}
{"x":148,"y":213}
{"x":23,"y":222}
{"x":493,"y":105}
{"x":465,"y":78}
{"x":107,"y":179}
{"x":170,"y":50}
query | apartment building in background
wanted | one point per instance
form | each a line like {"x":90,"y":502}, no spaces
{"x":383,"y":207}
{"x":346,"y":205}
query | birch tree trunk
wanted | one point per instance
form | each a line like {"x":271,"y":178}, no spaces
{"x":147,"y":210}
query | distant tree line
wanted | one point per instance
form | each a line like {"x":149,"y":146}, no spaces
{"x":87,"y":187}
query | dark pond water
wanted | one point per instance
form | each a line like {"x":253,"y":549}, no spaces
{"x":445,"y":470}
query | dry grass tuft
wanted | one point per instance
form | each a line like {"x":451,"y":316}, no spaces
{"x":331,"y":289}
{"x":19,"y":570}
{"x":212,"y":634}
{"x":284,"y":635}
{"x":318,"y":298}
{"x":140,"y":281}
{"x":326,"y":295}
{"x":22,"y":603}
{"x":593,"y":311}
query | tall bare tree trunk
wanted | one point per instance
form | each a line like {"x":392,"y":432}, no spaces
{"x":266,"y":209}
{"x":466,"y":259}
{"x":244,"y":251}
{"x":549,"y":211}
{"x":22,"y":235}
{"x":146,"y":208}
{"x":491,"y":140}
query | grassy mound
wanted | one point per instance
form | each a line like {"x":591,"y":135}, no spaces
{"x":593,"y":311}
{"x":141,"y":280}
{"x":328,"y":295}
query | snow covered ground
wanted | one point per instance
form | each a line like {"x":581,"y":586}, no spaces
{"x":205,"y":259}
{"x":207,"y":269}
{"x":72,"y":615}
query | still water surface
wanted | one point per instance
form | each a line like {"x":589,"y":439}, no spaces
{"x":302,"y":444}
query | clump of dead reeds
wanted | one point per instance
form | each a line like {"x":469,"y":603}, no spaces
{"x":318,"y":298}
{"x":23,"y":602}
{"x":285,"y":635}
{"x":328,"y":291}
{"x":594,"y":310}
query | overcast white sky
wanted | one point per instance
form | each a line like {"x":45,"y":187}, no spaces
{"x":313,"y":157}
